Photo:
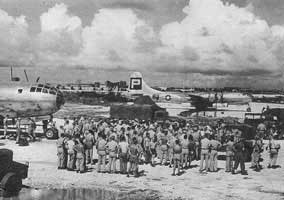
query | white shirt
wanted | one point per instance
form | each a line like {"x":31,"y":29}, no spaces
{"x":123,"y":146}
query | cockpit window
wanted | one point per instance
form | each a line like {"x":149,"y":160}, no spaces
{"x":20,"y":91}
{"x":32,"y":89}
{"x":52,"y":91}
{"x":44,"y":90}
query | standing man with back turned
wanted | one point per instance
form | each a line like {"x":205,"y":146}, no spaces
{"x":239,"y":149}
{"x":5,"y":124}
{"x":204,"y":153}
{"x":18,"y":127}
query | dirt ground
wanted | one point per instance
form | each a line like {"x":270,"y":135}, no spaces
{"x":43,"y":173}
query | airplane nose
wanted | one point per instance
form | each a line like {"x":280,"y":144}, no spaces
{"x":59,"y":99}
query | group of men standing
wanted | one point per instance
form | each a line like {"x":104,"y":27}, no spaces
{"x":132,"y":142}
{"x":30,"y":126}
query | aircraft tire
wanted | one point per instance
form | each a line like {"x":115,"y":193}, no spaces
{"x":51,"y":134}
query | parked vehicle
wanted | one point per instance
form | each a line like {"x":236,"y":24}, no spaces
{"x":50,"y":132}
{"x":248,"y":133}
{"x":272,"y":118}
{"x":11,"y":174}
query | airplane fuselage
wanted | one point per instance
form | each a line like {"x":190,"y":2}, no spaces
{"x":25,"y":101}
{"x":233,"y":98}
{"x":138,"y":87}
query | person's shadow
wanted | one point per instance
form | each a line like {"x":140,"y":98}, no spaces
{"x":276,"y":166}
{"x":142,"y":173}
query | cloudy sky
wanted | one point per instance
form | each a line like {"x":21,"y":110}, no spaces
{"x":203,"y":43}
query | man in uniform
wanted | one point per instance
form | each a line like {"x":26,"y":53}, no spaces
{"x":101,"y":149}
{"x":44,"y":125}
{"x":239,"y":149}
{"x":214,"y":145}
{"x":112,"y":148}
{"x":191,"y":148}
{"x":18,"y":127}
{"x":185,"y":151}
{"x":177,"y":150}
{"x":196,"y":138}
{"x":229,"y":154}
{"x":31,"y":128}
{"x":122,"y":152}
{"x":61,"y":152}
{"x":71,"y":154}
{"x":151,"y":132}
{"x":133,"y":157}
{"x":164,"y":147}
{"x":204,"y":153}
{"x":147,"y":150}
{"x":5,"y":123}
{"x":273,"y":149}
{"x":255,"y":156}
{"x":80,"y":155}
{"x":89,"y":142}
{"x":171,"y":143}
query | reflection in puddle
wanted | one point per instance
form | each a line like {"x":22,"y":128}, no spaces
{"x":82,"y":194}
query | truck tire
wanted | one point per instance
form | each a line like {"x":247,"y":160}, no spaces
{"x":11,"y":183}
{"x":6,"y":157}
{"x":51,"y":134}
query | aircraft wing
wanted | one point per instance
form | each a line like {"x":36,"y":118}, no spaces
{"x":199,"y":102}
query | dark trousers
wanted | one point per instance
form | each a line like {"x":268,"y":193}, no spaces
{"x":89,"y":155}
{"x":62,"y":159}
{"x":239,"y":159}
{"x":71,"y":160}
{"x":18,"y":135}
{"x":80,"y":163}
{"x":148,"y":156}
{"x":123,"y":163}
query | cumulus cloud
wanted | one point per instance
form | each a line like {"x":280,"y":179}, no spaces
{"x":113,"y":40}
{"x":15,"y":46}
{"x":215,"y":38}
{"x":60,"y":36}
{"x":225,"y":38}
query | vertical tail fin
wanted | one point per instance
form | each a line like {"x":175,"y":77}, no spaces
{"x":136,"y":82}
{"x":138,"y":86}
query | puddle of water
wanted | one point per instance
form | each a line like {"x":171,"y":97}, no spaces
{"x":83,"y":194}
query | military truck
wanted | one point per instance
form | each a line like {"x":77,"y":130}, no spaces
{"x":51,"y":132}
{"x":11,"y":174}
{"x":272,"y":118}
{"x":248,"y":133}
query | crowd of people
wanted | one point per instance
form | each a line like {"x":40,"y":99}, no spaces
{"x":19,"y":135}
{"x":174,"y":144}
